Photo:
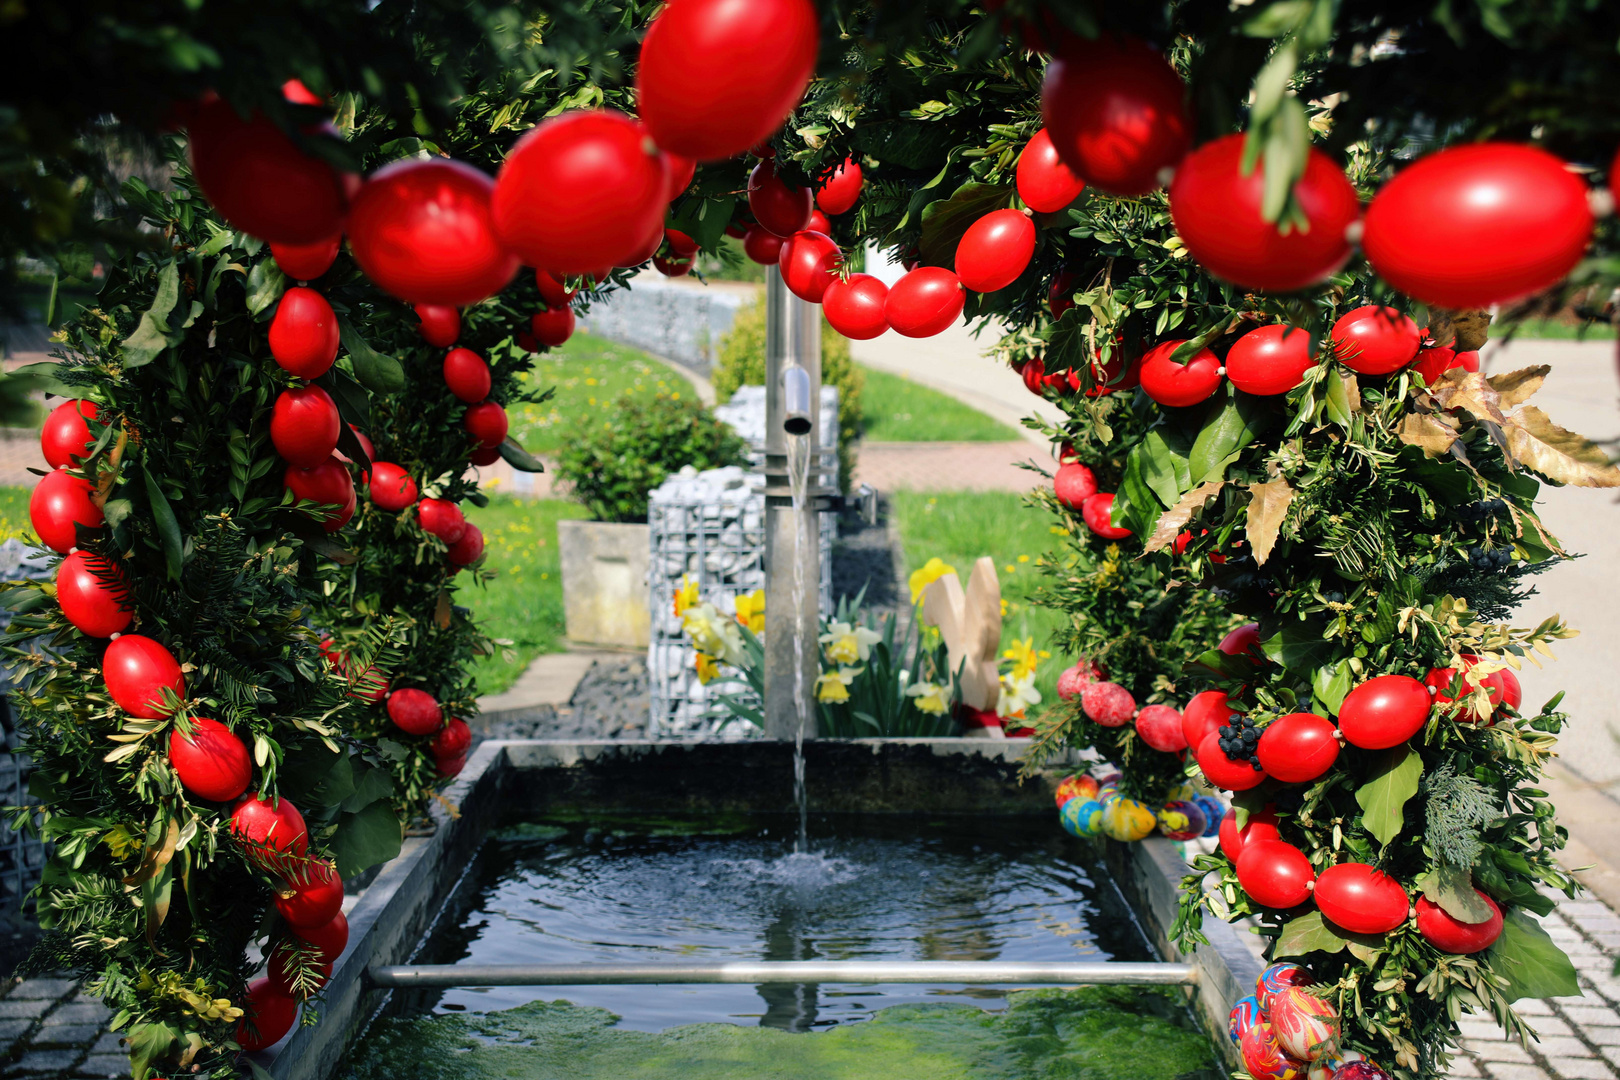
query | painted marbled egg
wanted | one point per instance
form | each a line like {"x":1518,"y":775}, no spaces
{"x":1361,"y":1070}
{"x":1306,"y":1026}
{"x":1330,"y":1066}
{"x":1264,"y":1058}
{"x":1277,"y":978}
{"x":1214,"y":810}
{"x":1128,"y":819}
{"x":1081,"y":785}
{"x":1181,"y":820}
{"x":1245,"y":1014}
{"x":1081,"y":817}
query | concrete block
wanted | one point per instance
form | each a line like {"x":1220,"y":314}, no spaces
{"x":604,"y":572}
{"x":38,"y":989}
{"x":64,"y":1034}
{"x":1579,"y":1069}
{"x":108,"y":1066}
{"x":24,"y":1009}
{"x":82,"y":1012}
{"x":44,"y":1061}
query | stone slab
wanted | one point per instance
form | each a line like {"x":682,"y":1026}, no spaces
{"x":604,"y":571}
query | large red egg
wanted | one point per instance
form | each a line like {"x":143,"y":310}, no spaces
{"x":329,"y":484}
{"x":1432,"y":363}
{"x":1478,"y":225}
{"x":65,"y":435}
{"x":1384,"y":711}
{"x":331,"y":937}
{"x":995,"y":250}
{"x":1502,"y":687}
{"x":137,"y":670}
{"x":1452,"y":935}
{"x":1117,"y":113}
{"x":1222,"y":771}
{"x":212,"y":762}
{"x":1044,"y":183}
{"x":580,"y":192}
{"x":839,"y":191}
{"x":304,"y":426}
{"x":93,"y":595}
{"x":1275,"y":874}
{"x":467,"y":375}
{"x":1270,"y":359}
{"x":268,"y":1015}
{"x":1298,"y":747}
{"x":854,"y":306}
{"x":552,"y":327}
{"x":391,"y":487}
{"x":304,"y":335}
{"x":717,"y":76}
{"x":306,"y":262}
{"x":60,"y":502}
{"x":1204,"y":714}
{"x":1073,"y":485}
{"x":272,"y":831}
{"x":1360,"y":899}
{"x":1243,"y":640}
{"x":260,"y":180}
{"x":924,"y":302}
{"x":1375,"y":340}
{"x":1216,"y":210}
{"x":414,"y":712}
{"x":316,"y":896}
{"x":1097,"y":510}
{"x":441,"y":518}
{"x":469,"y":549}
{"x":781,"y":209}
{"x":552,"y":291}
{"x":422,"y":230}
{"x":1160,"y":727}
{"x":487,"y":423}
{"x":1175,"y":384}
{"x":810,"y":263}
{"x":438,"y":324}
{"x":762,"y":246}
{"x":1261,"y":825}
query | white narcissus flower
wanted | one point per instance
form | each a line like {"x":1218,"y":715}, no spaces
{"x":931,"y":698}
{"x":848,"y":644}
{"x":1017,"y":694}
{"x":834,"y":685}
{"x":714,"y":633}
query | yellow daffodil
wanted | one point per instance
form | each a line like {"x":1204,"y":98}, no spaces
{"x":713,"y":633}
{"x":1023,"y":656}
{"x":686,"y":596}
{"x":834,"y":685}
{"x":707,"y":669}
{"x":751,"y":610}
{"x":931,"y":571}
{"x":931,"y":698}
{"x":848,"y":644}
{"x":1017,"y":695}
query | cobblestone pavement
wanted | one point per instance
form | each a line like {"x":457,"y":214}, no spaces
{"x":48,"y":1028}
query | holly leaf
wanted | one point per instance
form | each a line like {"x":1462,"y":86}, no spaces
{"x":1533,"y":966}
{"x":1383,"y":798}
{"x":153,"y":335}
{"x":378,"y":373}
{"x":1538,"y":443}
{"x":1452,"y":887}
{"x":1173,"y":520}
{"x":1343,"y":398}
{"x":367,"y":838}
{"x":1299,"y":645}
{"x":149,"y":1042}
{"x":1268,"y":507}
{"x":1136,"y":507}
{"x":1329,"y":685}
{"x":1162,"y":468}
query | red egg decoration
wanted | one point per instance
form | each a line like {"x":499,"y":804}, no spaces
{"x":1384,"y":711}
{"x":1360,"y":899}
{"x":260,"y":180}
{"x":422,"y":230}
{"x":272,"y":831}
{"x":93,"y":595}
{"x":304,"y":426}
{"x":1261,"y":825}
{"x":840,"y":191}
{"x":854,"y":306}
{"x":467,"y":375}
{"x":454,"y":740}
{"x":469,"y":549}
{"x":1478,"y":225}
{"x":809,"y":263}
{"x":1073,"y":484}
{"x":995,"y":250}
{"x":391,"y":487}
{"x":1270,"y":359}
{"x":441,"y":518}
{"x":1117,"y":113}
{"x":552,"y":291}
{"x":1375,"y":340}
{"x":1245,"y":640}
{"x":1216,"y":210}
{"x":414,"y":712}
{"x":1432,"y":363}
{"x":1222,"y":771}
{"x":643,"y":251}
{"x":487,"y":423}
{"x":755,"y":59}
{"x":1204,"y":714}
{"x":580,"y":192}
{"x":1298,"y":747}
{"x":1502,"y":687}
{"x":552,"y":327}
{"x":306,"y":262}
{"x":1097,"y":512}
{"x":1160,"y":727}
{"x":1044,"y":183}
{"x":65,"y":436}
{"x":762,"y":246}
{"x":137,"y":670}
{"x":1275,"y":874}
{"x":314,"y":894}
{"x":1060,"y":294}
{"x":1179,"y":385}
{"x":1107,"y":703}
{"x":781,"y":209}
{"x":680,"y":170}
{"x":331,"y":937}
{"x":1450,"y":934}
{"x":328,"y":484}
{"x":439,"y":324}
{"x":304,"y":334}
{"x":211,"y":762}
{"x":924,"y":302}
{"x":268,"y":1015}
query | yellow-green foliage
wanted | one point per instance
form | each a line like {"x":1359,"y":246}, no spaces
{"x":742,"y":363}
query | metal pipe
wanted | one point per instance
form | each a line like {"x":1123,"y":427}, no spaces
{"x":971,"y":972}
{"x":796,"y":400}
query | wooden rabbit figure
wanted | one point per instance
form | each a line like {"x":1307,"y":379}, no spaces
{"x":970,"y":624}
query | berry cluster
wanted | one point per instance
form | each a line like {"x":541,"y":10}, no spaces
{"x":1480,"y":511}
{"x":1238,"y":738}
{"x":1489,"y":559}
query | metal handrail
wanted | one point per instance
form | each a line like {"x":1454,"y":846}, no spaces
{"x":974,"y":972}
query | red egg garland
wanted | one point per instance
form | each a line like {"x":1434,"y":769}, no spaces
{"x":925,"y":302}
{"x":304,"y":335}
{"x":995,"y":250}
{"x":93,"y":595}
{"x":781,"y":209}
{"x":854,"y":306}
{"x":1044,"y":182}
{"x":65,"y":436}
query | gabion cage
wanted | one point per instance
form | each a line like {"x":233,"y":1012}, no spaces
{"x":22,"y":857}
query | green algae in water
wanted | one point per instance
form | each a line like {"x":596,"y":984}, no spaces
{"x":1093,"y":1033}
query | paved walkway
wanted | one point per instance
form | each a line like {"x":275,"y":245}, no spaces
{"x":949,"y":466}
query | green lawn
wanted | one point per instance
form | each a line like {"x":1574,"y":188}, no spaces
{"x":959,"y":527}
{"x":1557,"y":329}
{"x":895,"y":408}
{"x":14,"y":512}
{"x":524,"y":605}
{"x":589,"y":373}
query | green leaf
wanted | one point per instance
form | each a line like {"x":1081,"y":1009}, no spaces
{"x":1307,"y":934}
{"x":1533,"y":966}
{"x":1394,"y":781}
{"x":265,"y":284}
{"x":945,"y":220}
{"x":153,"y":335}
{"x":147,"y":1043}
{"x":1189,"y":348}
{"x":168,"y":528}
{"x":43,"y":376}
{"x":1452,"y":887}
{"x":353,"y":403}
{"x":519,"y":458}
{"x":1233,"y":425}
{"x":1299,"y":646}
{"x":367,"y":838}
{"x":370,"y":785}
{"x":1163,"y":469}
{"x":1135,"y":506}
{"x":1329,"y":684}
{"x":303,"y":769}
{"x":1339,"y":407}
{"x":378,"y":373}
{"x":705,"y":219}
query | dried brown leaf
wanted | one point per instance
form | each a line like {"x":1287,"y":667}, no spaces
{"x":1268,"y":506}
{"x":1564,"y":456}
{"x":1427,"y":431}
{"x":1172,"y":520}
{"x":1459,"y":389}
{"x":1464,"y":331}
{"x":1516,"y":387}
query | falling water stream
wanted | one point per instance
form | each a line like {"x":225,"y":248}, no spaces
{"x":798,"y":483}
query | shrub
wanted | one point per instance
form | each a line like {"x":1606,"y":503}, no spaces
{"x":613,"y":460}
{"x":742,"y":363}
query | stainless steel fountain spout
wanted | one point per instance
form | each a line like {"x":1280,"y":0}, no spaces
{"x":796,"y":401}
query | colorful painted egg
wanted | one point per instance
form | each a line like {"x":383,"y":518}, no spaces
{"x":1245,"y":1014}
{"x":1184,"y":792}
{"x":1331,"y":1066}
{"x":1306,"y":1026}
{"x":1214,"y":810}
{"x":1264,"y":1058}
{"x":1128,"y":819}
{"x":1361,"y":1070}
{"x":1081,"y":817}
{"x":1082,"y":785}
{"x":1277,"y":978}
{"x":1108,"y":790}
{"x":1182,"y":820}
{"x":1109,"y":775}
